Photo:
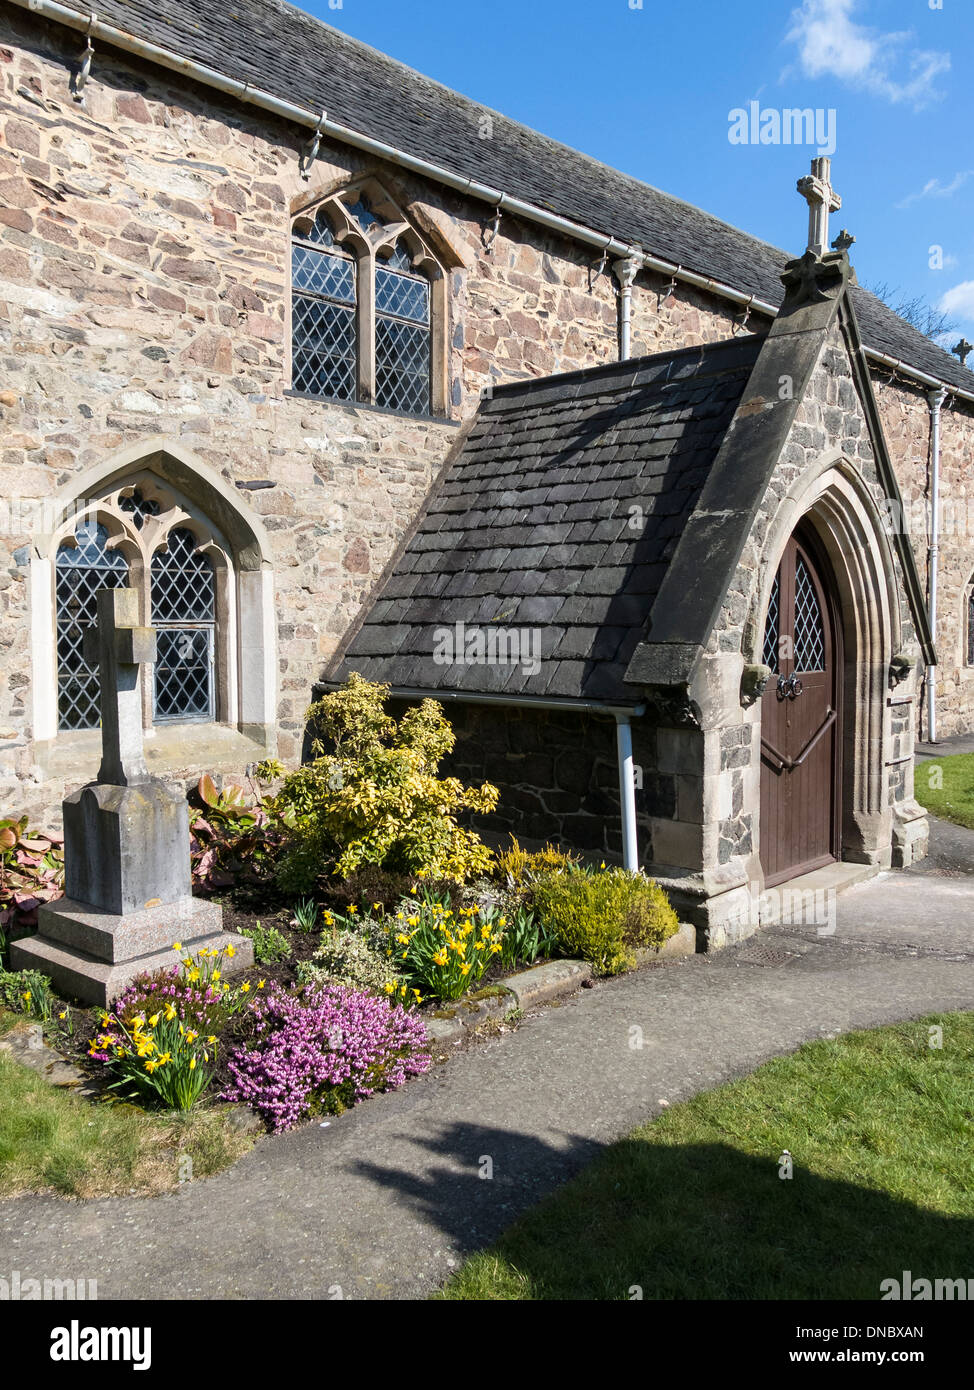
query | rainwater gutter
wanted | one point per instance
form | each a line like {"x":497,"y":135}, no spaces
{"x":319,"y":125}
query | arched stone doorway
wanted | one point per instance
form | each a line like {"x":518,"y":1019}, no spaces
{"x":836,"y":514}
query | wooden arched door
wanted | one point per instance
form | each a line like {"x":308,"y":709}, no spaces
{"x":801,"y":716}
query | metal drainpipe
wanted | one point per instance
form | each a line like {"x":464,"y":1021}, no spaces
{"x":627,"y":793}
{"x":936,"y":399}
{"x":626,"y":271}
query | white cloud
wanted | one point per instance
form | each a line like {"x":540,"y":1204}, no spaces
{"x":832,"y":44}
{"x":933,"y":188}
{"x":959,"y":300}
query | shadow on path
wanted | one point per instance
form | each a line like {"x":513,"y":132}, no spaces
{"x":677,"y":1221}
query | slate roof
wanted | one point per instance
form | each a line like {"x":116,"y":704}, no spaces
{"x":531,"y":527}
{"x":299,"y":59}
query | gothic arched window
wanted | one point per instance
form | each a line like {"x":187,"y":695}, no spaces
{"x":366,"y":288}
{"x":969,"y":622}
{"x":145,"y":539}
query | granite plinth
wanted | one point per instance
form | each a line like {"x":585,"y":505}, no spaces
{"x":114,"y":939}
{"x":128,"y":846}
{"x":79,"y":974}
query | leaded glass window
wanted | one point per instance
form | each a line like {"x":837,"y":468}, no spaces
{"x":183,"y":602}
{"x":81,"y":571}
{"x":323,"y":315}
{"x":362,"y":306}
{"x":402,"y":338}
{"x":771,"y":631}
{"x":809,"y":627}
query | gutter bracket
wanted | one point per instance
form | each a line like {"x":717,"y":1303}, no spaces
{"x":669,"y":289}
{"x":490,"y":236}
{"x":80,"y":78}
{"x":742,"y":326}
{"x":310,"y":151}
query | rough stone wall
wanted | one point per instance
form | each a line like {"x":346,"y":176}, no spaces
{"x":144,"y":293}
{"x":906,"y":422}
{"x":830,"y":416}
{"x":558,"y":777}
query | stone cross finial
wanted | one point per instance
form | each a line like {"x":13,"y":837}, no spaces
{"x":816,"y":188}
{"x":120,"y":646}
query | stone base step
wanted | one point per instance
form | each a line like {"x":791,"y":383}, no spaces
{"x":803,"y":900}
{"x":76,"y":974}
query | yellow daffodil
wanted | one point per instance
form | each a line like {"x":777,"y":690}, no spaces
{"x":177,"y":945}
{"x":152,"y":1021}
{"x":231,"y":951}
{"x":62,"y":1015}
{"x":216,"y":975}
{"x":440,"y":958}
{"x":245,"y":987}
{"x":192,"y":1063}
{"x":389,"y":988}
{"x":352,"y":909}
{"x":211,"y":1039}
{"x":261,"y":984}
{"x":170,"y":1013}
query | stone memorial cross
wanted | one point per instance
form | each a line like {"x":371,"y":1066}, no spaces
{"x":816,"y":188}
{"x":119,"y":646}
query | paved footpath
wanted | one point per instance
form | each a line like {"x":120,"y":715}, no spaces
{"x":386,"y":1200}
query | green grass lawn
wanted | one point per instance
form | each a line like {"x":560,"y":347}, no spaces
{"x":50,"y":1139}
{"x":880,"y":1126}
{"x":945,"y":786}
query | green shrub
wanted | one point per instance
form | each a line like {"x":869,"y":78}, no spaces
{"x":603,"y":916}
{"x":27,"y":992}
{"x":349,"y":958}
{"x":376,"y":797}
{"x":519,"y":866}
{"x":270,"y":945}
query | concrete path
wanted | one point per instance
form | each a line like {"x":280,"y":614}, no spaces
{"x":945,"y":747}
{"x":387,"y":1200}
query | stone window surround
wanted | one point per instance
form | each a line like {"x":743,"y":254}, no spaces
{"x":432,"y":261}
{"x":234,"y":539}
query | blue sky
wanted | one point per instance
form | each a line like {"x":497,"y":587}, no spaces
{"x":650,"y":87}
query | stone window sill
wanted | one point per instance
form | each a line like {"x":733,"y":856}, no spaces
{"x":171,"y":750}
{"x":355,"y":407}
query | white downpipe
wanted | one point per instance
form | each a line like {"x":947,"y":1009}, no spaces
{"x":936,"y":399}
{"x":626,"y":271}
{"x":627,"y":794}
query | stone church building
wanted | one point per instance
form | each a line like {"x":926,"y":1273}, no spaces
{"x":342,"y":372}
